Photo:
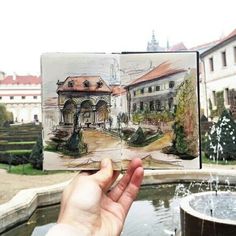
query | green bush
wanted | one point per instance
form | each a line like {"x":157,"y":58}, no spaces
{"x":36,"y":156}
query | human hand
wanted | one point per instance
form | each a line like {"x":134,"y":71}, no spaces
{"x":91,"y":209}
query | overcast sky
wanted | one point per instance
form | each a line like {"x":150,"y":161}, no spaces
{"x":32,"y":27}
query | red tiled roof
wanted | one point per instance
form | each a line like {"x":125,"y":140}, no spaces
{"x":21,"y":79}
{"x":232,"y":34}
{"x":159,"y":72}
{"x":178,"y":47}
{"x":78,"y":84}
{"x":117,"y":90}
{"x":205,"y":45}
{"x":220,"y":42}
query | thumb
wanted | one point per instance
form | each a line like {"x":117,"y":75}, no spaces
{"x":104,"y":175}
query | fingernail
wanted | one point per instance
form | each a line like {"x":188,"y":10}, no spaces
{"x":105,"y":162}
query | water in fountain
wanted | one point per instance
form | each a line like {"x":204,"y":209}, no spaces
{"x":221,"y":205}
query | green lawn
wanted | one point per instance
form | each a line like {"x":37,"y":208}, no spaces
{"x":206,"y":160}
{"x":27,"y":151}
{"x":22,"y":143}
{"x":26,"y":169}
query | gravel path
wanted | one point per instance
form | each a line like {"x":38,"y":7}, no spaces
{"x":10,"y":184}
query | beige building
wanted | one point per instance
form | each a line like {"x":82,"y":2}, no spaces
{"x":21,"y":96}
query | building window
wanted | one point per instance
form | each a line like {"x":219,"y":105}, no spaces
{"x":142,"y":90}
{"x":134,"y":93}
{"x":149,"y":89}
{"x":22,"y":97}
{"x":171,"y":84}
{"x":234,"y":54}
{"x":226,"y":96}
{"x":211,"y":64}
{"x":141,"y":106}
{"x":151,"y":106}
{"x":0,"y":98}
{"x":158,"y":88}
{"x":11,"y":97}
{"x":134,"y":107}
{"x":223,"y":56}
{"x":214,"y":97}
{"x":35,"y":97}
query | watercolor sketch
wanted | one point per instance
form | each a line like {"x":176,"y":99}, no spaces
{"x":120,"y":106}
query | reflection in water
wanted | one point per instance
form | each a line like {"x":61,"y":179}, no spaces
{"x":155,"y":212}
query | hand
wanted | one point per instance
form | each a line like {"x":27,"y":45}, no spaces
{"x":91,"y":209}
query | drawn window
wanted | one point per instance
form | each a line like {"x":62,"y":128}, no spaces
{"x":151,"y":106}
{"x":0,"y":98}
{"x":11,"y":97}
{"x":158,"y":88}
{"x":99,"y":84}
{"x":211,"y":62}
{"x":86,"y":83}
{"x":158,"y":105}
{"x":171,"y":84}
{"x":71,"y":83}
{"x":134,"y":93}
{"x":149,"y":89}
{"x":142,"y":90}
{"x":35,"y":97}
{"x":22,"y":97}
{"x":141,"y":106}
{"x":224,"y":61}
{"x":134,"y":107}
{"x":170,"y":103}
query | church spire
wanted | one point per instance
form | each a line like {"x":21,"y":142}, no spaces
{"x":153,"y":45}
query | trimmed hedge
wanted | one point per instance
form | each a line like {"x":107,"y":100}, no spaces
{"x":15,"y":158}
{"x":16,"y":146}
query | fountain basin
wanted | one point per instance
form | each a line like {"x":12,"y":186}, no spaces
{"x":208,"y":213}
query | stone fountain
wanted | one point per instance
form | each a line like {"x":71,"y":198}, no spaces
{"x":208,"y":213}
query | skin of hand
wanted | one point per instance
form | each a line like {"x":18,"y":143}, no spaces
{"x":91,"y":208}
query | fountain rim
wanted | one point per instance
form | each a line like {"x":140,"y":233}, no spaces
{"x":186,"y":207}
{"x":24,"y":203}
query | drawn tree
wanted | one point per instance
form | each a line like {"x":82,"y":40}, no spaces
{"x":185,"y":125}
{"x":221,"y":143}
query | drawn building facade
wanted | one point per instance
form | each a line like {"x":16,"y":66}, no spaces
{"x":156,"y":90}
{"x":83,"y":100}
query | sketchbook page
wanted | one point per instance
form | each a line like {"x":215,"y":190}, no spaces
{"x":79,"y":124}
{"x":161,"y":109}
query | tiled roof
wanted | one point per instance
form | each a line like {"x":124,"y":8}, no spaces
{"x":178,"y":47}
{"x":77,"y":84}
{"x":117,"y":90}
{"x":221,"y":42}
{"x":21,"y":79}
{"x":159,"y":72}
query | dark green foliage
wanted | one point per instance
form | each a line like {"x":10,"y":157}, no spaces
{"x":6,"y":117}
{"x":138,"y":137}
{"x":179,"y":143}
{"x":76,"y":143}
{"x":221,"y":142}
{"x":219,"y":104}
{"x":36,"y":156}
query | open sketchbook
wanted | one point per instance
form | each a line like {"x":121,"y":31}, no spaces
{"x":120,"y":106}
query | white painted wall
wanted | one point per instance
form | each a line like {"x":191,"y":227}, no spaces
{"x":221,"y":78}
{"x":26,"y":101}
